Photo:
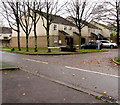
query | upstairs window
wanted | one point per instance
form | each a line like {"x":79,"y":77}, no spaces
{"x":89,"y":30}
{"x":70,"y":28}
{"x":65,"y":28}
{"x":55,"y":27}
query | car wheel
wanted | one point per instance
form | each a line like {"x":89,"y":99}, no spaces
{"x":111,"y":46}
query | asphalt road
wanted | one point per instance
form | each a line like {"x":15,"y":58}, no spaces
{"x":22,"y":87}
{"x":92,"y":73}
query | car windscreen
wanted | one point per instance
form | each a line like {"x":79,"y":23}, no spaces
{"x":104,"y":41}
{"x":93,"y":43}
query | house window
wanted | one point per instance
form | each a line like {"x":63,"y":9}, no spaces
{"x":55,"y":39}
{"x":70,"y":28}
{"x":55,"y":27}
{"x":89,"y":30}
{"x":65,"y":28}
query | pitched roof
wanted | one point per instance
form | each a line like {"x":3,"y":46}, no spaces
{"x":103,"y":25}
{"x":61,"y":20}
{"x":63,"y":32}
{"x":58,"y":19}
{"x":83,"y":22}
{"x":91,"y":25}
{"x":76,"y":33}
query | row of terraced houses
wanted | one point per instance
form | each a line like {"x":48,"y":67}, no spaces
{"x":61,"y":30}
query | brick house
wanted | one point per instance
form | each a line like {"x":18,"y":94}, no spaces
{"x":92,"y":31}
{"x":61,"y":30}
{"x":105,"y":31}
{"x":62,"y":33}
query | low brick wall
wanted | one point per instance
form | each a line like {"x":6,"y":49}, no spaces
{"x":42,"y":42}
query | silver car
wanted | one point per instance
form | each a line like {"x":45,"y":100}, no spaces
{"x":108,"y":44}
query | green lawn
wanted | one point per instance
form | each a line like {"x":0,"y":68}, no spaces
{"x":89,"y":50}
{"x":117,"y":60}
{"x":43,"y":51}
{"x":5,"y":65}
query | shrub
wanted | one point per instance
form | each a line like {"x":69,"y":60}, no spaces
{"x":68,"y":48}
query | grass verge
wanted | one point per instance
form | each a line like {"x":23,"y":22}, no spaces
{"x":89,"y":50}
{"x":117,"y":60}
{"x":5,"y":65}
{"x":106,"y":98}
{"x":43,"y":51}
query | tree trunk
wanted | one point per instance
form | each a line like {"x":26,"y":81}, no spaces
{"x":35,"y":33}
{"x":18,"y":32}
{"x":48,"y":29}
{"x":118,"y":25}
{"x":48,"y":40}
{"x":79,"y":38}
{"x":27,"y":43}
{"x":118,"y":34}
{"x":35,"y":38}
{"x":18,"y":26}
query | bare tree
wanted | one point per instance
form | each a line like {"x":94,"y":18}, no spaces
{"x":51,"y":9}
{"x":12,"y":16}
{"x":80,"y":12}
{"x":2,"y":23}
{"x":35,"y":7}
{"x":109,"y":13}
{"x":25,"y":20}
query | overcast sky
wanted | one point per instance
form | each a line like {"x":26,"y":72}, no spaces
{"x":61,"y":1}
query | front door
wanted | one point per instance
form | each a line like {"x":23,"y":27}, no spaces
{"x":69,"y":41}
{"x":82,"y":40}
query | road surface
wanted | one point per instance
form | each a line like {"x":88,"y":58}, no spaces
{"x":92,"y":73}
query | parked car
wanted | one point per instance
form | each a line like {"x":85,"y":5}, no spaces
{"x":92,"y":45}
{"x":108,"y":44}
